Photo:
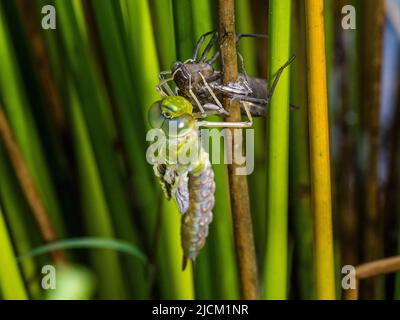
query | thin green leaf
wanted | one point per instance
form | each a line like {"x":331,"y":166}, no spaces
{"x":87,"y":243}
{"x":11,"y":282}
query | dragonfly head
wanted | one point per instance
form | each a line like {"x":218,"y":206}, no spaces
{"x":173,"y":115}
{"x":176,"y":65}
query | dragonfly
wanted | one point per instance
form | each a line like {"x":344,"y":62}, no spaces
{"x":180,"y":114}
{"x":190,"y":184}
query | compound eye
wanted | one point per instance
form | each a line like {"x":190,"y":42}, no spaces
{"x":178,"y":127}
{"x":155,"y":115}
{"x":176,"y":65}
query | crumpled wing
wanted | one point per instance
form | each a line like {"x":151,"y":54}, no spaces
{"x":175,"y":184}
{"x":181,"y":193}
{"x":160,"y":172}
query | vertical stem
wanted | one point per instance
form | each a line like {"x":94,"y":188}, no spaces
{"x":28,"y":185}
{"x":183,"y":28}
{"x":163,"y":18}
{"x":275,"y":269}
{"x":393,"y":186}
{"x":351,"y":294}
{"x":373,"y":29}
{"x":105,"y":262}
{"x":329,"y":25}
{"x":223,"y":277}
{"x":11,"y":282}
{"x":344,"y":184}
{"x":257,"y":186}
{"x":299,"y":172}
{"x":238,"y":184}
{"x":319,"y":150}
{"x":42,"y":64}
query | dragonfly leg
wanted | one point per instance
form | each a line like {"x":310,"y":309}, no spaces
{"x":250,"y":35}
{"x":258,"y":104}
{"x":246,"y":77}
{"x":163,"y":84}
{"x":209,"y":46}
{"x":221,"y":108}
{"x":203,"y":113}
{"x":245,"y":95}
{"x":251,"y":99}
{"x":245,"y":105}
{"x":212,"y":109}
{"x":214,"y":77}
{"x":238,"y":124}
{"x":255,"y":110}
{"x":213,"y":58}
{"x":233,"y":94}
{"x":199,"y":43}
{"x":277,"y":76}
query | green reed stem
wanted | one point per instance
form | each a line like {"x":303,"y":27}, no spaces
{"x":275,"y":268}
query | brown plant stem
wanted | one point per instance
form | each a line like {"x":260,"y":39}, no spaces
{"x":391,"y":205}
{"x":28,"y":186}
{"x":372,"y":269}
{"x":371,"y":91}
{"x":238,"y":183}
{"x":41,"y":60}
{"x":346,"y":168}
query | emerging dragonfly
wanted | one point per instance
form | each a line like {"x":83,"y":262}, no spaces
{"x":197,"y":81}
{"x":191,"y":184}
{"x":179,"y":115}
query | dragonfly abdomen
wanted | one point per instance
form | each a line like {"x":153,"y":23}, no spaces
{"x":194,"y":226}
